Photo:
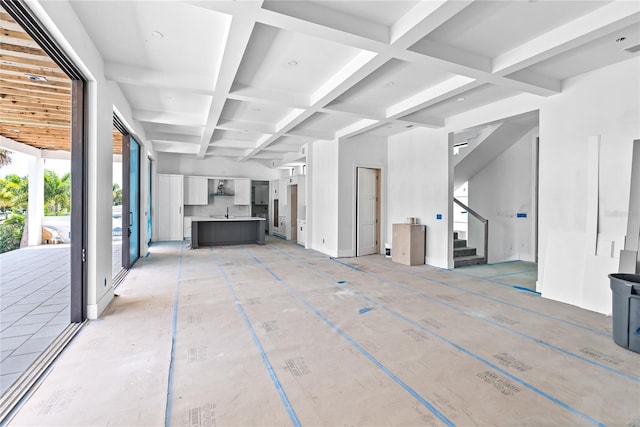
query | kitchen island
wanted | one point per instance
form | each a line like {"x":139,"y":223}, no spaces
{"x":214,"y":231}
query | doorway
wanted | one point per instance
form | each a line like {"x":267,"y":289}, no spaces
{"x":44,"y":119}
{"x":130,"y":202}
{"x":367,"y":211}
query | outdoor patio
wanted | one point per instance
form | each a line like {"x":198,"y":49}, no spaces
{"x":34,"y":303}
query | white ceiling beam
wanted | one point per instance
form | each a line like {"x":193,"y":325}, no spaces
{"x":246,"y":126}
{"x":233,"y":143}
{"x":147,"y":77}
{"x":329,"y":18}
{"x":167,"y":118}
{"x":314,"y":134}
{"x":454,"y":55}
{"x":237,"y":41}
{"x":366,"y":69}
{"x":338,"y":80}
{"x":430,"y":96}
{"x":423,"y":121}
{"x":535,"y":80}
{"x":226,"y":152}
{"x":363,"y":111}
{"x":422,"y":19}
{"x":172,"y":147}
{"x":268,"y":96}
{"x":173,"y":137}
{"x":589,"y":27}
{"x":360,"y":126}
{"x":364,"y":64}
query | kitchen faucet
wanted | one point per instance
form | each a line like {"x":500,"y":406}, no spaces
{"x":227,"y":215}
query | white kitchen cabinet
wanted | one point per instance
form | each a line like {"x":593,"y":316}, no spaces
{"x":170,"y":214}
{"x":242,"y":191}
{"x":196,"y":190}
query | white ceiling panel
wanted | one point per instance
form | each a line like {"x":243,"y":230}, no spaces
{"x":489,"y":28}
{"x":384,"y":13}
{"x":590,"y":56}
{"x":466,"y":101}
{"x":252,"y":112}
{"x":395,"y":81}
{"x":167,"y":128}
{"x":329,"y":122}
{"x":145,"y":34}
{"x":291,"y":62}
{"x":250,"y":79}
{"x":154,"y":99}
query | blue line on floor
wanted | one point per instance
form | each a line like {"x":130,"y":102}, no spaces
{"x":174,"y":323}
{"x":274,"y":377}
{"x":522,"y":288}
{"x":358,"y":347}
{"x":475,"y":356}
{"x":440,"y":282}
{"x":501,"y":326}
{"x":507,"y":274}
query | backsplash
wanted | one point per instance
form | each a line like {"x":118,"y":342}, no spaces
{"x":218,"y":207}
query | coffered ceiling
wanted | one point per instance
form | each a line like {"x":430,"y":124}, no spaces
{"x":259,"y":79}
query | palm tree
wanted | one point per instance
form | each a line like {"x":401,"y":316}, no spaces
{"x":5,"y":157}
{"x":57,"y":192}
{"x":117,"y":194}
{"x":14,"y":192}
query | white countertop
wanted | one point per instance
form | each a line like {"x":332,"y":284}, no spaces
{"x":222,"y":218}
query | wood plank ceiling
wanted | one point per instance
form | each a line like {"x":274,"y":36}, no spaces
{"x":35,"y":94}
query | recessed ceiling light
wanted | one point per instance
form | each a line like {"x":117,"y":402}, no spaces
{"x":292,"y":63}
{"x":461,"y":98}
{"x":157,"y":34}
{"x":35,"y":78}
{"x":620,"y":39}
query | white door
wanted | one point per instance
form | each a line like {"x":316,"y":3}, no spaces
{"x":366,"y":215}
{"x":170,"y":204}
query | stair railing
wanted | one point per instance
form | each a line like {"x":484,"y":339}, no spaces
{"x":481,"y":219}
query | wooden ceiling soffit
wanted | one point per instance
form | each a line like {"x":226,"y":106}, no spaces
{"x":35,"y":94}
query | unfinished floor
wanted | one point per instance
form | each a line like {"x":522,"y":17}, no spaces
{"x":279,"y":335}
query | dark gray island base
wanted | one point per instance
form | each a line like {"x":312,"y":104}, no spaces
{"x":222,"y":231}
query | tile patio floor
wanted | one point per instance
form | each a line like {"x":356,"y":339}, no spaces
{"x":34,"y":303}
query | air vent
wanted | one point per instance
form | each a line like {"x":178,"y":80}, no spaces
{"x":633,"y":49}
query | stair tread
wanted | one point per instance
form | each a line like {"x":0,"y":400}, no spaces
{"x":468,"y":257}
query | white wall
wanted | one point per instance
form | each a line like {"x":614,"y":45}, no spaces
{"x":360,"y":151}
{"x":419,"y":184}
{"x":322,"y":211}
{"x":500,"y":191}
{"x":103,"y":97}
{"x":604,"y":103}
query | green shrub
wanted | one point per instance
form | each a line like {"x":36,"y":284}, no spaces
{"x":11,"y":233}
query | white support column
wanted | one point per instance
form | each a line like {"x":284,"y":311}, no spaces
{"x":35,"y":210}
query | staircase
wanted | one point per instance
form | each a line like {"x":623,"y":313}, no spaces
{"x":464,"y":255}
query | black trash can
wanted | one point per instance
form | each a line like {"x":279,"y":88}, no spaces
{"x":626,"y":310}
